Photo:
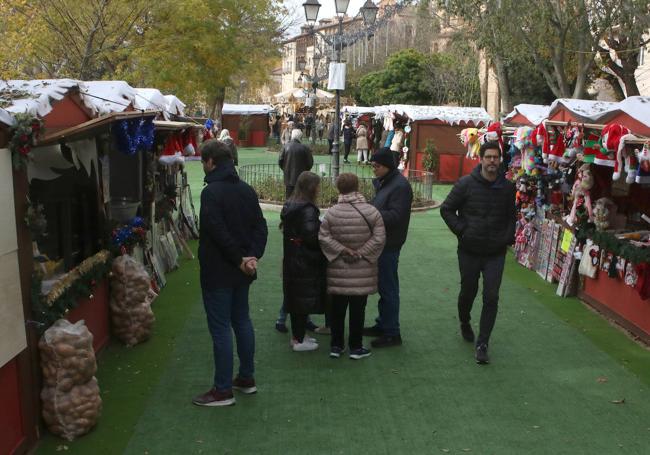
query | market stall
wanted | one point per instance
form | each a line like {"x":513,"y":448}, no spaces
{"x":248,"y":123}
{"x":527,"y":115}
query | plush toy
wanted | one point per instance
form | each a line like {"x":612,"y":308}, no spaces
{"x":173,"y":151}
{"x":582,"y":186}
{"x":573,"y":136}
{"x":601,"y":213}
{"x":556,"y":147}
{"x":470,"y":139}
{"x":524,"y":142}
{"x":643,"y":170}
{"x":611,"y":141}
{"x":625,"y":155}
{"x":541,"y":140}
{"x":494,"y":133}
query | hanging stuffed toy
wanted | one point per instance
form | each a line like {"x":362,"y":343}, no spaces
{"x":611,"y":140}
{"x":524,"y":142}
{"x":589,"y":262}
{"x":631,"y":276}
{"x":582,"y":186}
{"x":591,"y":147}
{"x":542,"y":141}
{"x":625,"y":156}
{"x":601,"y":213}
{"x":573,"y":142}
{"x":470,"y":139}
{"x":173,"y":150}
{"x":189,"y":142}
{"x":557,"y":147}
{"x":494,"y":133}
{"x":643,"y":169}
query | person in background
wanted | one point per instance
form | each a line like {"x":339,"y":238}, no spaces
{"x":480,"y":211}
{"x":393,"y":199}
{"x":320,"y":127}
{"x":294,"y":159}
{"x":224,"y":137}
{"x":362,"y":144}
{"x":286,"y":133}
{"x":352,"y":237}
{"x":232,"y":239}
{"x":276,"y":129}
{"x":331,"y":135}
{"x":303,"y":264}
{"x":348,"y":136}
{"x":378,"y":130}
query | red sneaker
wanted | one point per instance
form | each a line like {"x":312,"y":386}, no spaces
{"x":214,"y":398}
{"x":246,"y":386}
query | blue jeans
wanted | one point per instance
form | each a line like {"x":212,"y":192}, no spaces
{"x":227,"y":311}
{"x":388,"y":320}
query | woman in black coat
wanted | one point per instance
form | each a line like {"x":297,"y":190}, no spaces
{"x":303,"y":265}
{"x":348,"y":136}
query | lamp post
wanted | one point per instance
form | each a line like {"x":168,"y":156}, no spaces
{"x":369,"y":13}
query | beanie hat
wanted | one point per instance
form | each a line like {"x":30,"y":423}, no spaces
{"x":384,"y":157}
{"x":611,"y":142}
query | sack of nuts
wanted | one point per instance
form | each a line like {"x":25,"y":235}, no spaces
{"x":70,"y":395}
{"x":131,"y":298}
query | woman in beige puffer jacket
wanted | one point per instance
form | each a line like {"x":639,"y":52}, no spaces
{"x":352,"y":237}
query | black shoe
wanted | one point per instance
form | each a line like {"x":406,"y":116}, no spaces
{"x":336,"y":352}
{"x":373,"y":331}
{"x":281,"y":327}
{"x":311,"y":326}
{"x":482,"y":357}
{"x":467,"y":332}
{"x":386,"y":341}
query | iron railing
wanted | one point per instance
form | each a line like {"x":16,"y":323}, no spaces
{"x":268,"y":182}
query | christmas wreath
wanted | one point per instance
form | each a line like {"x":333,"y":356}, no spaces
{"x":23,"y":137}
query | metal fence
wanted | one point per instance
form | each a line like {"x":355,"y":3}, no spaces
{"x":268,"y":181}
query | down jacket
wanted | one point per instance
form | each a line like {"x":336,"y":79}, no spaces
{"x":343,"y":226}
{"x":481,"y":213}
{"x":303,"y":264}
{"x":362,"y":138}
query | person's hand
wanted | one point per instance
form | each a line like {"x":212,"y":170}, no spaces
{"x":248,"y":265}
{"x":349,"y":255}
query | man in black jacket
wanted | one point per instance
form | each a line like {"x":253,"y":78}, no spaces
{"x":232,"y":240}
{"x":393,"y":199}
{"x":295,"y":158}
{"x":480,"y":210}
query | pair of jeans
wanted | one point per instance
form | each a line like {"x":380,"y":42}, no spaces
{"x":330,"y":143}
{"x":348,"y":145}
{"x":388,"y":284}
{"x":299,"y":326}
{"x":471,"y":267}
{"x":362,"y":155}
{"x":227,"y":312}
{"x":357,"y":304}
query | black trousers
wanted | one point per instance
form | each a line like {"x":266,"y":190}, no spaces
{"x":357,"y":304}
{"x":471,"y":267}
{"x":289,"y":190}
{"x":348,"y":145}
{"x":298,"y":326}
{"x":330,"y":143}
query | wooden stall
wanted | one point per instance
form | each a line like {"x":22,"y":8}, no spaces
{"x":527,"y":115}
{"x":248,"y":123}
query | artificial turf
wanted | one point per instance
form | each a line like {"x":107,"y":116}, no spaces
{"x":562,"y":380}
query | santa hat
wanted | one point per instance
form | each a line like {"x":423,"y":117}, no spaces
{"x":173,"y":150}
{"x":494,"y":133}
{"x":611,"y":142}
{"x":189,"y":142}
{"x":541,"y":140}
{"x":622,"y":155}
{"x":557,"y":147}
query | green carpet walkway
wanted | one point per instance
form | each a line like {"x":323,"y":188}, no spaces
{"x":561,"y":381}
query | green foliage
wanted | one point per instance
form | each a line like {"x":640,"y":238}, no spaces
{"x":431,"y":158}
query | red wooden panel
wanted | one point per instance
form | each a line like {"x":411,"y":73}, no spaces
{"x":65,"y":113}
{"x":469,"y":165}
{"x":621,"y":299}
{"x":11,"y":419}
{"x":634,"y":125}
{"x":519,"y":120}
{"x":257,"y":138}
{"x":449,"y":168}
{"x":95,"y":312}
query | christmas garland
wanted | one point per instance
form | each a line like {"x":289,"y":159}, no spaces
{"x":66,"y":293}
{"x":23,"y":138}
{"x":609,"y":242}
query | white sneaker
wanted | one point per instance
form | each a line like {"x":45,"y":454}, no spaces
{"x":305,"y":346}
{"x":306,"y":338}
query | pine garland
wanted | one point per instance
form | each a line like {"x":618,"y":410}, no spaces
{"x":65,"y":295}
{"x":619,"y":247}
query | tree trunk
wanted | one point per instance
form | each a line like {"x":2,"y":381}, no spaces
{"x":217,"y":105}
{"x":504,"y":83}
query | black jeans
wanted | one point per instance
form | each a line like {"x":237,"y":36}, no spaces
{"x":347,"y":150}
{"x":299,"y":326}
{"x":471,"y":267}
{"x":357,"y":304}
{"x":330,"y":143}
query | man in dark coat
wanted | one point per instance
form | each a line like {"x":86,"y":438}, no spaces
{"x":393,"y":199}
{"x":295,"y":158}
{"x":480,"y":211}
{"x":232,"y":239}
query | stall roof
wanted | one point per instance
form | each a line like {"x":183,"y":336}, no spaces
{"x":33,"y":97}
{"x":105,"y":97}
{"x":358,"y":110}
{"x":246,"y":109}
{"x":166,"y":125}
{"x":637,"y":107}
{"x":449,"y":114}
{"x":586,"y":110}
{"x":175,"y":106}
{"x":147,"y":99}
{"x":535,"y":113}
{"x":300,"y":93}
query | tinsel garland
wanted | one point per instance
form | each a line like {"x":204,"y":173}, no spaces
{"x":23,"y":138}
{"x":66,"y":293}
{"x":125,"y":237}
{"x":134,"y":135}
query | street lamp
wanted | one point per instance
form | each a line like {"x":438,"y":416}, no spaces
{"x":311,"y":10}
{"x":302,"y":63}
{"x":341,"y":6}
{"x":315,"y":60}
{"x":369,"y":12}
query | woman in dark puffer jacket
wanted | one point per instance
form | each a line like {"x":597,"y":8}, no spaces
{"x":303,"y":265}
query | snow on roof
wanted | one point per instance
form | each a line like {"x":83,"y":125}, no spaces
{"x":359,"y":110}
{"x":6,"y":118}
{"x":246,"y":109}
{"x":151,"y":99}
{"x":535,"y":113}
{"x":106,"y":97}
{"x":33,"y":97}
{"x":637,"y":107}
{"x":452,"y":115}
{"x":585,"y":109}
{"x":175,"y":106}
